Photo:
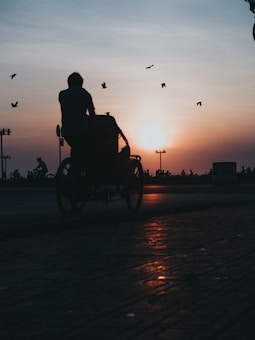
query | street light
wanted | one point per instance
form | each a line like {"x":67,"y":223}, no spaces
{"x":3,"y":132}
{"x":5,"y":164}
{"x":160,"y":162}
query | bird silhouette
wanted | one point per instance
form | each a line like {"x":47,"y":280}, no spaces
{"x":199,"y":103}
{"x":13,"y":75}
{"x":163,"y":85}
{"x":149,"y":66}
{"x":104,"y":85}
{"x":15,"y":104}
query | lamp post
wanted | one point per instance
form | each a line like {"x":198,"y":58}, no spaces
{"x":160,"y":161}
{"x":3,"y":132}
{"x":5,"y":164}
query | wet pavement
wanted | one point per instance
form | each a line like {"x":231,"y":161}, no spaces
{"x":186,"y":275}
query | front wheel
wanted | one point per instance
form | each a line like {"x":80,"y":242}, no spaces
{"x":134,"y":185}
{"x":68,"y":199}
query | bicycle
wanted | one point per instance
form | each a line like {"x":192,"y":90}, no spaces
{"x":102,"y":172}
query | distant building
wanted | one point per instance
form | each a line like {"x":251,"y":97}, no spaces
{"x":224,"y":172}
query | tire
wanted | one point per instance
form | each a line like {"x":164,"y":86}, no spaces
{"x":134,"y":185}
{"x":66,"y":189}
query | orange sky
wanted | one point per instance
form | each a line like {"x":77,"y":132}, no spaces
{"x":202,"y":50}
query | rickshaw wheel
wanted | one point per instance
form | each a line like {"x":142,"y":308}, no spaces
{"x":66,"y":189}
{"x":134,"y":185}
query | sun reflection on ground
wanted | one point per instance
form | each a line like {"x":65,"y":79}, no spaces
{"x":153,"y":198}
{"x":157,"y":273}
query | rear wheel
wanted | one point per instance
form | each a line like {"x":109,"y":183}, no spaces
{"x":67,"y":183}
{"x":134,"y":185}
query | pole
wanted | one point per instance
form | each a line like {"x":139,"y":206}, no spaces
{"x":2,"y":164}
{"x":160,"y":160}
{"x":2,"y":133}
{"x":5,"y":168}
{"x":59,"y":150}
{"x":60,"y":142}
{"x":5,"y":165}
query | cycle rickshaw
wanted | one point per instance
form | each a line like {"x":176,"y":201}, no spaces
{"x":102,"y":171}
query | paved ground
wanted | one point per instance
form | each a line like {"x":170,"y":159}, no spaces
{"x":178,"y":276}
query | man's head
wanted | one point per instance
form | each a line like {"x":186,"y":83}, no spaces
{"x":75,"y":79}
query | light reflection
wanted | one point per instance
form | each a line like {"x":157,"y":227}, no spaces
{"x":152,"y":198}
{"x":161,"y":277}
{"x":155,"y":237}
{"x":158,"y":277}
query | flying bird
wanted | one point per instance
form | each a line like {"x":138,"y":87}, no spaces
{"x":15,"y":104}
{"x":13,"y":75}
{"x":163,"y":85}
{"x":149,"y":66}
{"x":104,"y":85}
{"x":199,"y":103}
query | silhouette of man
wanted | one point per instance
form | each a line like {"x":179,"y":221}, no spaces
{"x":77,"y":110}
{"x":80,"y":124}
{"x":41,"y":168}
{"x":16,"y":174}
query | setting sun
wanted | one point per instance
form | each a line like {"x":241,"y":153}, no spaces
{"x":152,"y":137}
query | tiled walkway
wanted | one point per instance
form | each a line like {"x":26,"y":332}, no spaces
{"x":181,"y":276}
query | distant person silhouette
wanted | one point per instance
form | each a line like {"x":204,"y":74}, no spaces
{"x":41,"y":168}
{"x":16,"y":174}
{"x":77,"y":110}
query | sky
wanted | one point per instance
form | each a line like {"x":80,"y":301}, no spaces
{"x":203,"y":50}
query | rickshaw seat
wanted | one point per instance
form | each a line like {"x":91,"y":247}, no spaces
{"x":100,"y":154}
{"x":104,"y":139}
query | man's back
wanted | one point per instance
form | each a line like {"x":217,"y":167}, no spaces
{"x":75,"y":102}
{"x":76,"y":105}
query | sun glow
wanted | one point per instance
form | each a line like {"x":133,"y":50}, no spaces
{"x":152,"y":137}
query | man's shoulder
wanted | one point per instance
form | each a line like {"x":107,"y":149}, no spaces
{"x":86,"y":92}
{"x":63,"y":92}
{"x":71,"y":91}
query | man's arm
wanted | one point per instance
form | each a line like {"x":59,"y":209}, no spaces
{"x":91,"y":108}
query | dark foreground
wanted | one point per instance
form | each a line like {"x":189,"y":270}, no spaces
{"x":187,"y":275}
{"x":177,"y":275}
